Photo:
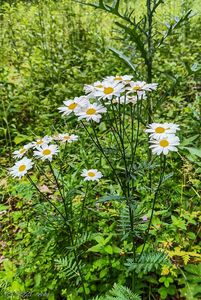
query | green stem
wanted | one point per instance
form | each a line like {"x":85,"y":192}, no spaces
{"x":163,"y":164}
{"x":65,"y":218}
{"x":98,"y":145}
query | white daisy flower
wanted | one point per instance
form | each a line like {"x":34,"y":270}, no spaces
{"x":68,"y":138}
{"x":73,"y":105}
{"x":165,"y":144}
{"x":22,"y":151}
{"x":140,"y":87}
{"x":91,"y":175}
{"x":125,"y":79}
{"x":108,"y":90}
{"x":42,"y":141}
{"x":158,"y":130}
{"x":21,"y":167}
{"x":46,"y":152}
{"x":91,"y":88}
{"x":91,"y":112}
{"x":56,"y":137}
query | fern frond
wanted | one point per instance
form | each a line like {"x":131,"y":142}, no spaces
{"x":147,"y":262}
{"x":82,"y":239}
{"x":68,"y":267}
{"x":120,"y":292}
{"x":124,"y":225}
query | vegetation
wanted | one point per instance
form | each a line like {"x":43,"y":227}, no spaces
{"x":134,"y":233}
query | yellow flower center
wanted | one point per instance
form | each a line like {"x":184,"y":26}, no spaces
{"x":46,"y":152}
{"x":22,"y":168}
{"x":39,"y":142}
{"x":91,"y":111}
{"x":136,"y":88}
{"x":66,"y":137}
{"x":164,"y":143}
{"x":91,"y":174}
{"x":159,"y":129}
{"x":22,"y":150}
{"x":118,"y":78}
{"x":108,"y":90}
{"x":72,"y":106}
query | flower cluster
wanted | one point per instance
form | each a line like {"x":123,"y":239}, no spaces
{"x":113,"y":89}
{"x":83,"y":109}
{"x":162,"y":137}
{"x":43,"y":148}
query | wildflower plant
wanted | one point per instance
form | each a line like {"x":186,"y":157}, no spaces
{"x":119,"y":103}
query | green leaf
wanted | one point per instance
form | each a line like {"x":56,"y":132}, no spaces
{"x":108,"y":249}
{"x":97,"y":248}
{"x":135,"y":37}
{"x":115,"y":5}
{"x":37,"y":279}
{"x":163,"y":292}
{"x":178,"y":222}
{"x":3,"y":207}
{"x":194,"y":151}
{"x":111,"y":198}
{"x":123,"y":57}
{"x":188,"y":141}
{"x":21,"y":138}
{"x":103,"y":273}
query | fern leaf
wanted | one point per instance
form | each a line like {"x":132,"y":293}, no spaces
{"x":120,"y":292}
{"x":67,"y":267}
{"x":147,"y":262}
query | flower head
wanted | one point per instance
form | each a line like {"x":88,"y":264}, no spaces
{"x":109,"y":89}
{"x":91,"y":88}
{"x":144,"y":218}
{"x":67,"y":138}
{"x":21,"y":167}
{"x":91,"y":112}
{"x":42,"y":141}
{"x":159,"y":130}
{"x":124,"y":79}
{"x":46,"y":152}
{"x":91,"y":175}
{"x":140,"y":88}
{"x":165,"y":144}
{"x":73,"y":105}
{"x":22,"y":151}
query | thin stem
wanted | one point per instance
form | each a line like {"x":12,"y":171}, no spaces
{"x":163,"y":164}
{"x":83,"y":206}
{"x":67,"y":225}
{"x":45,"y":197}
{"x":115,"y":130}
{"x":98,"y":145}
{"x":58,"y":186}
{"x":43,"y":173}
